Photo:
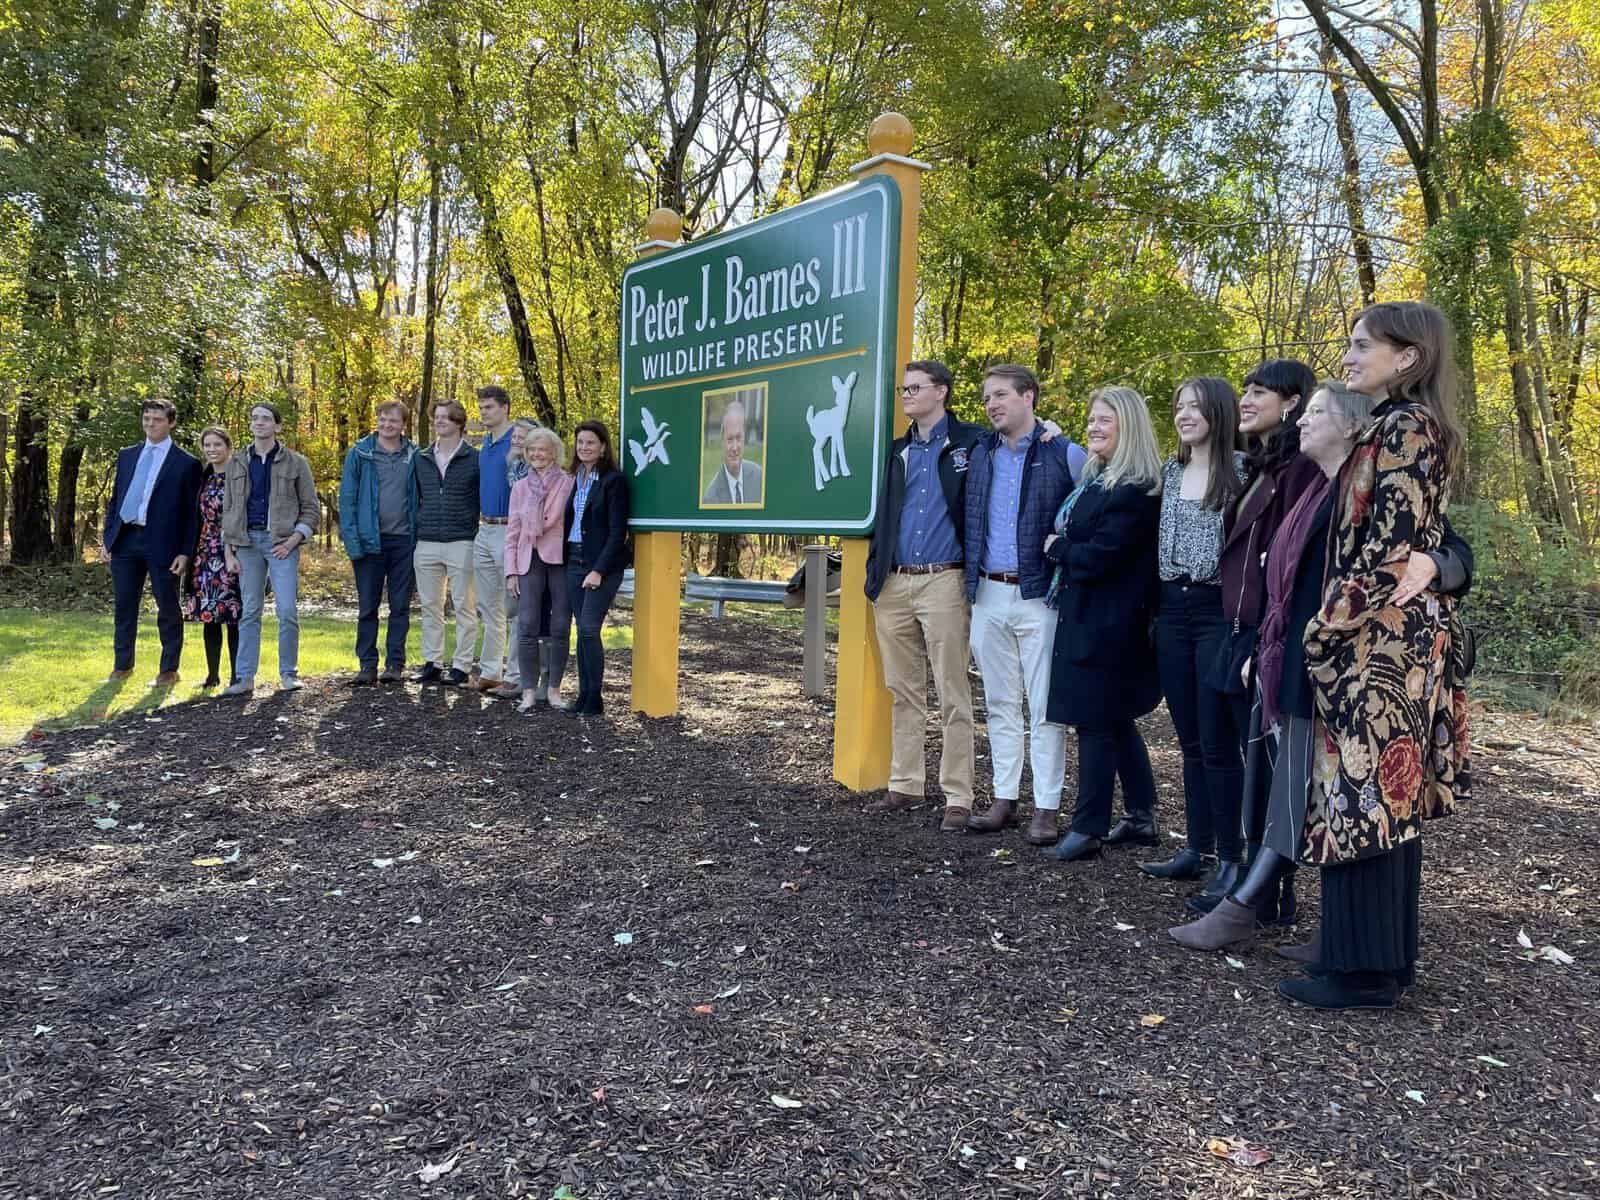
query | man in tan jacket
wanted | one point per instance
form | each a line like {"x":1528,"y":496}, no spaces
{"x":269,"y":510}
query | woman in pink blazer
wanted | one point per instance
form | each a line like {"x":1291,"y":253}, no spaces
{"x":534,"y":571}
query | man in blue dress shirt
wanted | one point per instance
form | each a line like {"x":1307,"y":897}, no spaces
{"x":497,"y":665}
{"x":914,"y":582}
{"x":1018,"y":479}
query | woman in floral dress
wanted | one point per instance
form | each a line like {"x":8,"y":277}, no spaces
{"x":213,"y":591}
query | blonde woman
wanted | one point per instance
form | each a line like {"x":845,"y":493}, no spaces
{"x":534,"y":572}
{"x":1103,"y":671}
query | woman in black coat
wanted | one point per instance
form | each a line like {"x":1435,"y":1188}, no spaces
{"x":597,"y":554}
{"x":1103,"y":672}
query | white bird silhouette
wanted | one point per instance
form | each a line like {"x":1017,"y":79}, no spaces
{"x":655,"y":443}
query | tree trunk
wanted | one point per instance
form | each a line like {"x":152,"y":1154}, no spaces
{"x":1555,"y":450}
{"x":67,"y":472}
{"x":1350,"y":181}
{"x":1540,"y":498}
{"x":430,"y":320}
{"x":726,"y":560}
{"x":203,"y":172}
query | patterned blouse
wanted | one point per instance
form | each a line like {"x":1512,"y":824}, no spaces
{"x":1191,"y":533}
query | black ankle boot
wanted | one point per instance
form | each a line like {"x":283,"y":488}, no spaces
{"x":1350,"y":989}
{"x":1288,"y":907}
{"x":1228,"y":875}
{"x":1188,"y":863}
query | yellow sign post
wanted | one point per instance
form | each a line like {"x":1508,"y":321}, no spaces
{"x":862,"y":735}
{"x":657,"y":563}
{"x":861,"y":729}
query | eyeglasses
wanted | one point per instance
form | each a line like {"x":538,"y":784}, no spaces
{"x":911,"y":389}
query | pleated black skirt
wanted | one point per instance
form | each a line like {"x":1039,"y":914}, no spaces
{"x":1370,"y":910}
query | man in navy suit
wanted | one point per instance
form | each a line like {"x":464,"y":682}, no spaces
{"x":150,"y":530}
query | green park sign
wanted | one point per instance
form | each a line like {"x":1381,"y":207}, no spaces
{"x":758,"y":371}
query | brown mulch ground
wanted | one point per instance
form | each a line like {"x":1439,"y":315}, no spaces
{"x":811,"y":1004}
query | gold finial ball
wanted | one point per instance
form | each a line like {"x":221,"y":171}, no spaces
{"x":890,"y":134}
{"x":664,"y":225}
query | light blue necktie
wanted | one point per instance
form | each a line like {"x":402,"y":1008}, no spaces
{"x":134,"y":500}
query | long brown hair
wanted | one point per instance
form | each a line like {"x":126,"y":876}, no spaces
{"x":608,"y":457}
{"x":1219,"y":405}
{"x":1431,"y":380}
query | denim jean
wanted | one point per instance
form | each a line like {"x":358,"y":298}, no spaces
{"x":589,"y":607}
{"x":256,"y":566}
{"x":1191,"y":631}
{"x":1105,"y":754}
{"x":391,"y":566}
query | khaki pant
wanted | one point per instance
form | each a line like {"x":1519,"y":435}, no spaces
{"x":922,"y":621}
{"x":437,"y":564}
{"x":496,"y":611}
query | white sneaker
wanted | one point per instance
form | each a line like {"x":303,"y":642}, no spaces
{"x":290,"y":683}
{"x":242,"y":687}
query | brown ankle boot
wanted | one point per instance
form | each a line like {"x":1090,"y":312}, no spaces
{"x":893,"y":802}
{"x":955,"y":820}
{"x":1228,"y":924}
{"x":1002,"y":814}
{"x":1042,"y":829}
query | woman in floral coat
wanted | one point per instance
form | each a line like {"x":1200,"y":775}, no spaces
{"x":213,"y":591}
{"x":1390,"y":742}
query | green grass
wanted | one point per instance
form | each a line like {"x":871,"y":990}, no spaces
{"x":53,"y":666}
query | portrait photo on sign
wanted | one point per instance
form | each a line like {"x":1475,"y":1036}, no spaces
{"x":733,"y":447}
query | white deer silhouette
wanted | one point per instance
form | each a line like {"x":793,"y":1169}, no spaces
{"x":827,"y":429}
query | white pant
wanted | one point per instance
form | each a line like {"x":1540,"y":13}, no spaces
{"x":1013,"y":639}
{"x":496,"y":611}
{"x":436,"y":564}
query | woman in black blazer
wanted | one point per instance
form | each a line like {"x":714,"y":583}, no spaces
{"x":597,"y":554}
{"x":1103,"y":670}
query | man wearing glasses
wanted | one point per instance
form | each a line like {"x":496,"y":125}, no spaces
{"x":914,"y":580}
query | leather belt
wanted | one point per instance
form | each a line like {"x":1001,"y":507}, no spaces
{"x":1003,"y":576}
{"x":928,"y":568}
{"x":494,"y":520}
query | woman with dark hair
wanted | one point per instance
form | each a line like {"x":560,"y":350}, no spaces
{"x":1197,"y":484}
{"x":597,"y":552}
{"x":213,"y":598}
{"x":1276,"y":476}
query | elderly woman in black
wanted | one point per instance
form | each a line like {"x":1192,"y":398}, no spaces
{"x":1103,"y":670}
{"x":597,"y":554}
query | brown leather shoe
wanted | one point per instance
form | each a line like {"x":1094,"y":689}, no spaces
{"x":119,"y":673}
{"x":1042,"y":829}
{"x":1002,"y":814}
{"x":485,"y":683}
{"x":165,"y":679}
{"x":893,"y":802}
{"x":955,"y":819}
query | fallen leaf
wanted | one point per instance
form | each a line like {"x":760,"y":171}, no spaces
{"x":210,"y":860}
{"x":726,"y":992}
{"x":382,"y":863}
{"x":738,"y":950}
{"x":1414,"y":1096}
{"x":1524,"y":940}
{"x":506,"y":987}
{"x":408,"y":856}
{"x":1233,"y":962}
{"x":547,"y":919}
{"x":1554,"y":955}
{"x":1491,"y":1060}
{"x":1020,"y":1162}
{"x":234,"y":857}
{"x":43,"y":1030}
{"x":1151,"y":1020}
{"x":785,"y":1102}
{"x":434,"y":1171}
{"x":706,"y":862}
{"x":705,"y":1010}
{"x":414,"y":919}
{"x":968,"y":1152}
{"x":802,"y":849}
{"x":622,"y":939}
{"x":1122,"y":927}
{"x":1238,"y":1151}
{"x":789,"y":885}
{"x":105,"y":822}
